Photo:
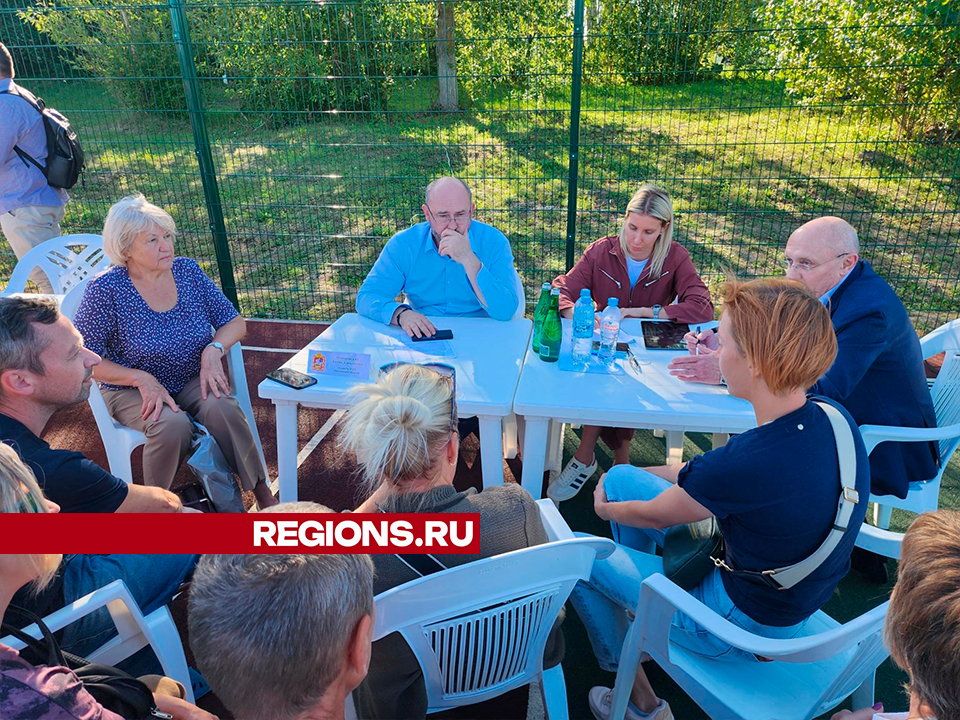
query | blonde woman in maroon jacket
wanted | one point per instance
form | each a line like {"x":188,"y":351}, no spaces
{"x":646,"y":271}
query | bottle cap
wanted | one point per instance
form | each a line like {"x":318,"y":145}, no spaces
{"x":615,"y":302}
{"x":585,"y":293}
{"x":545,"y":286}
{"x":555,"y":291}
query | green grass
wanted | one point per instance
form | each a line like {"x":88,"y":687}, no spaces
{"x":308,"y":206}
{"x":853,"y":597}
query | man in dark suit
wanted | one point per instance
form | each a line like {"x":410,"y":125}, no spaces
{"x":878,"y":374}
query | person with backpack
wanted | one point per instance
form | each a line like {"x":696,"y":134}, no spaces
{"x":33,"y":181}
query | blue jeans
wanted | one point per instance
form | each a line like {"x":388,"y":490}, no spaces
{"x":151,"y":579}
{"x":614,"y":585}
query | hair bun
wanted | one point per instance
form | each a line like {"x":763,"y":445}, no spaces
{"x":406,"y":412}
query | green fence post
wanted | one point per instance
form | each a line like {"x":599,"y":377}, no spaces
{"x":574,"y":156}
{"x":201,"y":143}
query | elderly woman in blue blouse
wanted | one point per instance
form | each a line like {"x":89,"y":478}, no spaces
{"x":150,"y":318}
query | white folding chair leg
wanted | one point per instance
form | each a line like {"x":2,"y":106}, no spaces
{"x":630,"y":655}
{"x":510,"y":436}
{"x":881,"y":515}
{"x":674,"y":443}
{"x":863,"y":696}
{"x":554,"y":690}
{"x":169,"y":648}
{"x":555,"y":447}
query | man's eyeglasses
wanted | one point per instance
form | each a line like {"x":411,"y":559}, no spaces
{"x":447,"y":371}
{"x":459,"y":217}
{"x":806,"y":265}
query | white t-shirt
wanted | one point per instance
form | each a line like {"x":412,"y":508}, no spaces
{"x":634,"y":268}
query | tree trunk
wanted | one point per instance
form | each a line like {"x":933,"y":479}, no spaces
{"x":446,"y":57}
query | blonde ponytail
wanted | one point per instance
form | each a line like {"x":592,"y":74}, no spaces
{"x":400,"y":425}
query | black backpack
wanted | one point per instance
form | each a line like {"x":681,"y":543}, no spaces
{"x":64,"y":154}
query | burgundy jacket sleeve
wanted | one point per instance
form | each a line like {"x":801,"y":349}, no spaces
{"x":579,"y":277}
{"x":693,"y":297}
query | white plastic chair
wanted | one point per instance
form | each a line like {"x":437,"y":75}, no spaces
{"x":120,"y":441}
{"x":68,"y":261}
{"x":925,"y":496}
{"x":809,"y":675}
{"x":479,"y":630}
{"x":134,"y":631}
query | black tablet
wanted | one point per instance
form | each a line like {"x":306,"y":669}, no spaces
{"x":665,"y":335}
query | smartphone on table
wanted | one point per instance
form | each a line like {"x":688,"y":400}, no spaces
{"x":292,"y":378}
{"x":438,"y":335}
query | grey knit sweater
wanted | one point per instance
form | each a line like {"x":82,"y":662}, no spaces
{"x":508,"y":520}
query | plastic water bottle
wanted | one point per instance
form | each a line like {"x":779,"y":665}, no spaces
{"x":609,"y":331}
{"x":582,"y":329}
{"x":538,"y":314}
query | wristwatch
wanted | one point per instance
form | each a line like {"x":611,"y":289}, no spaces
{"x":403,"y":307}
{"x":656,"y":312}
{"x":218,"y":346}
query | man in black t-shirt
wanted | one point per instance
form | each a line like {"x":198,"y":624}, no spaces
{"x":44,"y":367}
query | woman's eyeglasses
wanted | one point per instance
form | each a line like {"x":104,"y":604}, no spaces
{"x":447,"y":371}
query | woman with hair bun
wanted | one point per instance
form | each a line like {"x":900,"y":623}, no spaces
{"x":403,"y":432}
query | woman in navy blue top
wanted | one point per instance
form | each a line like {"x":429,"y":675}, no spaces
{"x":773,"y":490}
{"x":162,"y":328}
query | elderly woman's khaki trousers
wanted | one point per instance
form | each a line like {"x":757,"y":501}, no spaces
{"x":168,"y":438}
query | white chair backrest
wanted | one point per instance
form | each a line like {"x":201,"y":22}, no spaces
{"x":480,"y":629}
{"x":946,"y":400}
{"x":945,"y":337}
{"x":68,"y":261}
{"x":71,"y":301}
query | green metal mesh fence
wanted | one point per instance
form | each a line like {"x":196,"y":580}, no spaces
{"x":290,"y":140}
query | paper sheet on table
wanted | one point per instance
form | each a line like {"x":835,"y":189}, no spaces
{"x":424,"y":350}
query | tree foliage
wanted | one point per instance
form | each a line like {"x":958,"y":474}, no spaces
{"x":897,"y":59}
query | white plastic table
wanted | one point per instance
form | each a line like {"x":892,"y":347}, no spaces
{"x":653,"y":399}
{"x":489,"y":356}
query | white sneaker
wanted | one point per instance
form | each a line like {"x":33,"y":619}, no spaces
{"x":571,"y":479}
{"x":601,"y":697}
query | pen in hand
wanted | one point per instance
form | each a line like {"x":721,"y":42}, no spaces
{"x":697,"y":346}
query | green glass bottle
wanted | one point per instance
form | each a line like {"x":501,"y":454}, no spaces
{"x":551,"y":333}
{"x":542,"y":304}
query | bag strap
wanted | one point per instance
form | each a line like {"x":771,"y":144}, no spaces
{"x":787,"y":577}
{"x":422,"y":564}
{"x":38,"y":105}
{"x":47,"y":646}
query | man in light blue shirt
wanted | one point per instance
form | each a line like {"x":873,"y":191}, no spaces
{"x":449,"y":265}
{"x":30,"y":210}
